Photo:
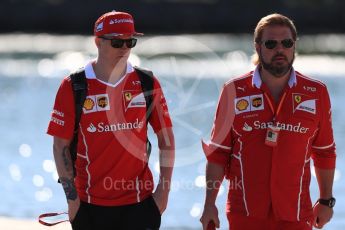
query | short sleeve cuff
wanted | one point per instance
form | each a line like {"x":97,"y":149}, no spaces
{"x":216,"y":154}
{"x":324,"y":163}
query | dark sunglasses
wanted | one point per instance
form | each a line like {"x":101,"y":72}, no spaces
{"x":118,"y":43}
{"x":271,"y":44}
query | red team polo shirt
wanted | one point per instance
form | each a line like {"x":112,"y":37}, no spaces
{"x":264,"y":177}
{"x":111,"y":163}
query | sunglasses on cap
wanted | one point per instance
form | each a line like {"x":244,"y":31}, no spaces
{"x":118,"y":43}
{"x":271,"y":44}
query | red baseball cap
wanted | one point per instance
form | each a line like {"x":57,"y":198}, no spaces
{"x":114,"y":24}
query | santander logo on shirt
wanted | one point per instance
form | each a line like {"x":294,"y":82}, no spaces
{"x":298,"y":128}
{"x":102,"y":127}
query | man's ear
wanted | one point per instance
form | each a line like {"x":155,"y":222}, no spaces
{"x":97,"y":42}
{"x":257,"y":47}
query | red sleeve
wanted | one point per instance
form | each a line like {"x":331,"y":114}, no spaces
{"x":218,"y":149}
{"x":160,"y":117}
{"x":62,"y":118}
{"x":324,"y":146}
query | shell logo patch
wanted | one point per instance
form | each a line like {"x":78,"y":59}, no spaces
{"x":88,"y":104}
{"x":242,"y":105}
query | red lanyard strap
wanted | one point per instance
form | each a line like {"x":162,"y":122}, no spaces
{"x":275,"y":113}
{"x":51,"y":215}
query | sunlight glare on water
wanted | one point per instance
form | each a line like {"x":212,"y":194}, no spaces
{"x":25,"y":150}
{"x":200,"y":181}
{"x":196,"y":210}
{"x":38,"y":180}
{"x":44,"y":194}
{"x":15,"y":172}
{"x":49,"y":166}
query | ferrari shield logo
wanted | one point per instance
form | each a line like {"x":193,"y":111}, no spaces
{"x":298,"y":98}
{"x":305,"y":103}
{"x":128,"y":96}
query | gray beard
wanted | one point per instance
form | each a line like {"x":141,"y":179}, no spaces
{"x":277,"y":71}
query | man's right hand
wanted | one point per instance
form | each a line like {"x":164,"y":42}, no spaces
{"x":73,"y":207}
{"x":210,"y":214}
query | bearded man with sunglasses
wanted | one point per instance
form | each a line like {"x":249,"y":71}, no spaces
{"x":268,"y":126}
{"x":113,"y":186}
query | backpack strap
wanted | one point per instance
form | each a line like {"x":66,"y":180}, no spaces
{"x":146,"y":81}
{"x":147,"y":85}
{"x":79,"y":86}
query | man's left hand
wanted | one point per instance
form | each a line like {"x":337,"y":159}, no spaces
{"x":322,"y":215}
{"x":161,"y":199}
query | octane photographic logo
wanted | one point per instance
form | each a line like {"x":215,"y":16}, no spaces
{"x":187,"y":71}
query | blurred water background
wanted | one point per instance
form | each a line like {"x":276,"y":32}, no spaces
{"x":191,"y":69}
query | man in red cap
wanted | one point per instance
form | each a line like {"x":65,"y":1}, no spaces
{"x":113,"y":186}
{"x":269,"y":124}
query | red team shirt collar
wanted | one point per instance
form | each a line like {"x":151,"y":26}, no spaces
{"x":257,"y":82}
{"x":90,"y":73}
